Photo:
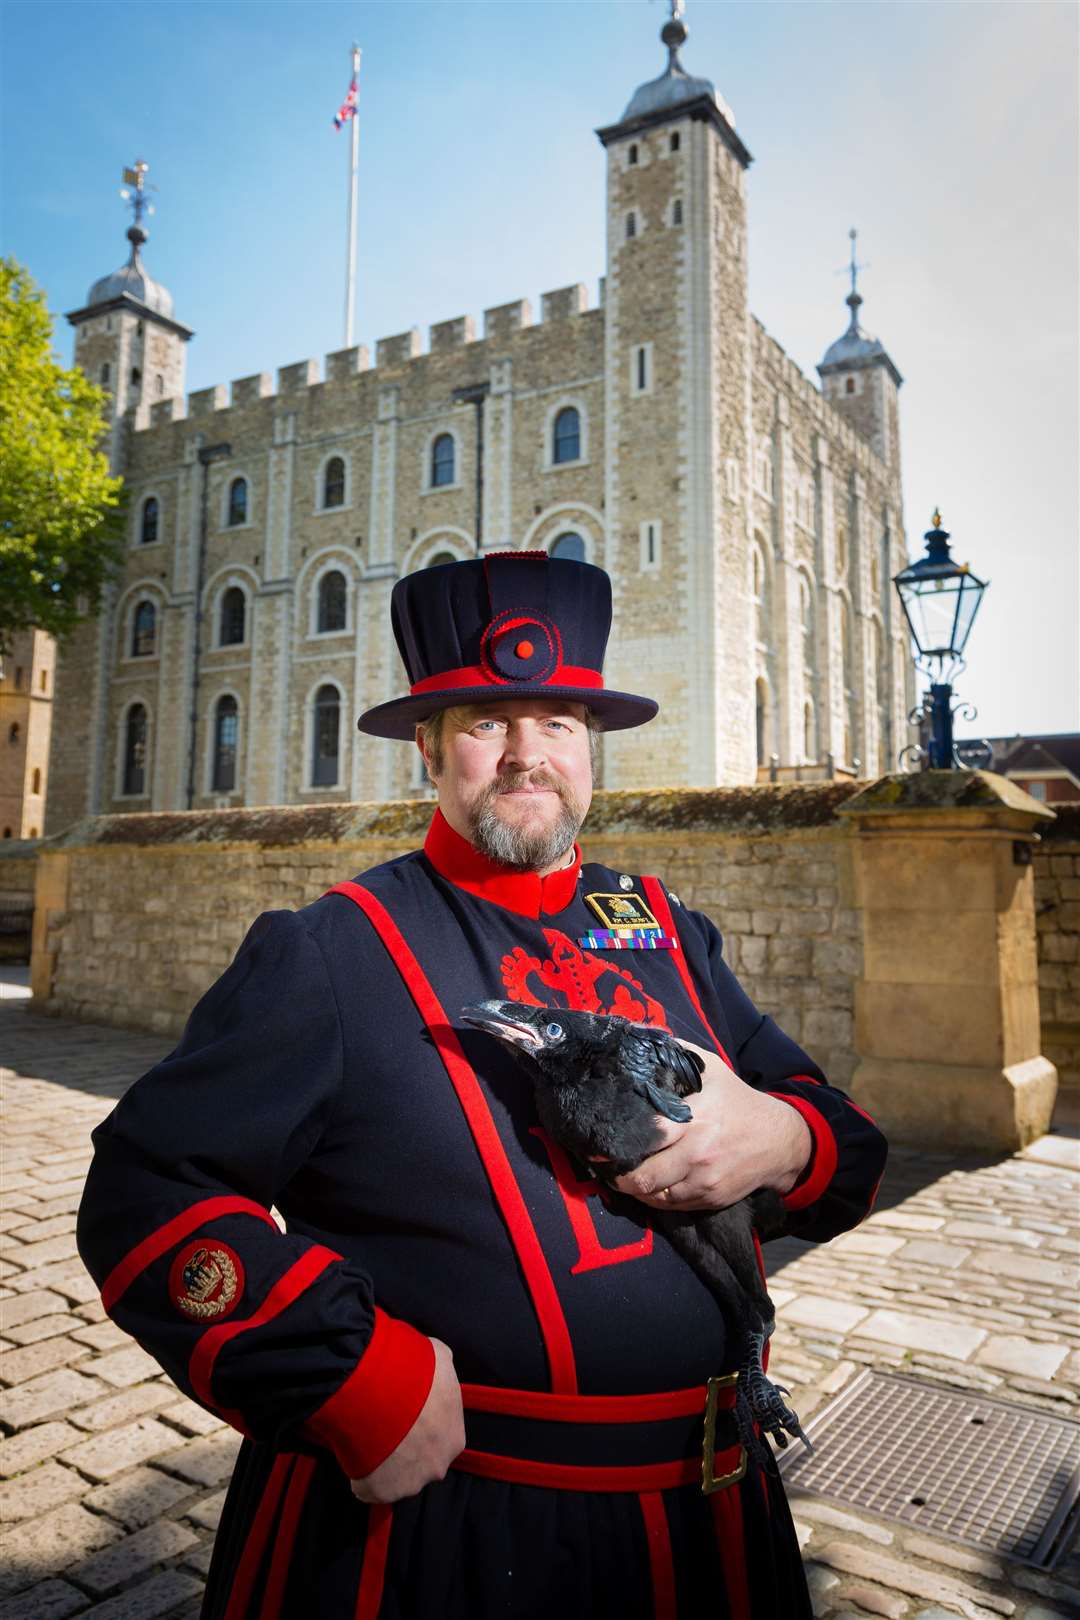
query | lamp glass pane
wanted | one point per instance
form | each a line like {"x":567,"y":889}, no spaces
{"x":967,"y":607}
{"x":932,"y":610}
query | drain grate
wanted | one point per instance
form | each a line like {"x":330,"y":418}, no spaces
{"x":995,"y":1476}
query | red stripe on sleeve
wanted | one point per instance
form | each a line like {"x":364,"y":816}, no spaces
{"x":159,"y":1242}
{"x":662,"y":912}
{"x":825,"y":1153}
{"x":369,"y":1416}
{"x":660,"y":1565}
{"x":531,"y":1258}
{"x":288,"y":1288}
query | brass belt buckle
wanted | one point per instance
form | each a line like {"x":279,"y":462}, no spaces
{"x":709,"y":1481}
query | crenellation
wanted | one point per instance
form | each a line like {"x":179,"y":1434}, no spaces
{"x":167,"y":410}
{"x":564,"y":302}
{"x":292,"y":379}
{"x":345,"y":363}
{"x":247,"y":390}
{"x":205,"y":401}
{"x":453,"y":334}
{"x":399,"y":349}
{"x":504,"y":319}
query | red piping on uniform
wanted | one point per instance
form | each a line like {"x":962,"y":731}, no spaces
{"x":660,"y":1565}
{"x":258,"y":1535}
{"x":373,"y":1569}
{"x":825,"y":1153}
{"x":569,"y":1477}
{"x":151,"y":1248}
{"x":530,"y":1255}
{"x":728,"y":1524}
{"x":274,"y":1593}
{"x":662,"y":912}
{"x":592,"y":1255}
{"x":478,"y":675}
{"x":370,"y":1414}
{"x":531,"y":1403}
{"x":287,"y":1288}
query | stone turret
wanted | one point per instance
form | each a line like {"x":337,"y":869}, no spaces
{"x":860,"y":380}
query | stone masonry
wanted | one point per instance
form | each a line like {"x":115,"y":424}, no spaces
{"x":1057,"y":918}
{"x":111,"y":1482}
{"x":750,"y":523}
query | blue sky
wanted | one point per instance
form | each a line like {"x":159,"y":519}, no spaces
{"x":947,"y":133}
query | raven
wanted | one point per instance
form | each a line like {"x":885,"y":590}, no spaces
{"x":600,"y":1081}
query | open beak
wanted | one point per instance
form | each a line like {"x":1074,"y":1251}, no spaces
{"x":493,"y":1017}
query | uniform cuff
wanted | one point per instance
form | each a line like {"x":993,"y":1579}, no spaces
{"x":377,"y":1405}
{"x":821,"y":1166}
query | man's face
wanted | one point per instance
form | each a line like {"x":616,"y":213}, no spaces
{"x":515,"y":778}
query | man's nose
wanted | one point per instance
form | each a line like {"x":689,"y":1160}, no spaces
{"x":524,"y":749}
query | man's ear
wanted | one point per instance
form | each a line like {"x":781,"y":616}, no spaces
{"x":423,"y":754}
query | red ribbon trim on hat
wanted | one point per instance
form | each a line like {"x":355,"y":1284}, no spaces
{"x":477,"y":675}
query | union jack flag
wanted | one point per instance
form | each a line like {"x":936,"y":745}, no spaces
{"x":347,"y":109}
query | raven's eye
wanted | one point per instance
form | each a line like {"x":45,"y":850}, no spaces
{"x":554,"y":1032}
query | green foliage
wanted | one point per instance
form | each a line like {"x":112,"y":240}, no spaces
{"x":61,"y":514}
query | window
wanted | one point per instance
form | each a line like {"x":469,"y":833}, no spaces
{"x":144,"y":631}
{"x":673,"y":144}
{"x":631,"y":225}
{"x":732,"y":479}
{"x":226,"y":730}
{"x":135,"y":750}
{"x":566,"y":445}
{"x":33,"y":832}
{"x":238,"y":503}
{"x":809,"y":748}
{"x":676,"y":211}
{"x":761,"y":597}
{"x":569,"y":545}
{"x":439,"y":558}
{"x":105,"y":375}
{"x":1037,"y":790}
{"x":159,"y":385}
{"x":641,"y":367}
{"x":763,"y":475}
{"x":325,"y":734}
{"x":14,"y":732}
{"x":334,"y":482}
{"x":631,"y":156}
{"x":806,"y":625}
{"x":442,"y":461}
{"x":333,"y":602}
{"x":7,"y":832}
{"x":650,"y":545}
{"x":136,"y":376}
{"x":761,"y":719}
{"x":44,"y":680}
{"x":850,"y":385}
{"x":148,"y":528}
{"x":231,"y":619}
{"x":18,"y":677}
{"x":35,"y":786}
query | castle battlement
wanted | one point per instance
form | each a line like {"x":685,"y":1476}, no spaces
{"x":768,"y":353}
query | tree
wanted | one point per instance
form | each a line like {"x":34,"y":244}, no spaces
{"x":61,"y":514}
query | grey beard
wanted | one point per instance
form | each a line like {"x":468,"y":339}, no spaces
{"x":525,"y":849}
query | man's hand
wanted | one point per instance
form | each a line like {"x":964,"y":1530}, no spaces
{"x":435,"y":1439}
{"x":738,"y":1140}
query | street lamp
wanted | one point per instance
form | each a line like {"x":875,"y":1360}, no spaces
{"x":940,"y":599}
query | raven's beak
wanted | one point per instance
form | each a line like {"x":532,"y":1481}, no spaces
{"x":497,"y":1019}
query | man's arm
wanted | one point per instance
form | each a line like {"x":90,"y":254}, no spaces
{"x":277,"y":1333}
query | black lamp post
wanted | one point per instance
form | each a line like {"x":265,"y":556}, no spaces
{"x":940,"y":599}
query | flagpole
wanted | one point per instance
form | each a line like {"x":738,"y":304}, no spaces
{"x":354,"y":164}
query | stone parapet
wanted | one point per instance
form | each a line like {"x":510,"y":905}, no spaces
{"x":564,"y":302}
{"x":397,"y":350}
{"x":345,"y":363}
{"x":205,"y":401}
{"x":249,"y":390}
{"x":292,"y":379}
{"x":503,"y":319}
{"x":445,"y":335}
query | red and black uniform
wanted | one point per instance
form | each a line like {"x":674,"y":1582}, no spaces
{"x":327,"y":1074}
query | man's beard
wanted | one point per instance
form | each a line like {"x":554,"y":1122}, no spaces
{"x":524,"y":848}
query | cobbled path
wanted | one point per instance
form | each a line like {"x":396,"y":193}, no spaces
{"x":111,"y":1482}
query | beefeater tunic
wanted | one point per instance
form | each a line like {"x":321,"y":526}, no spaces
{"x":326,"y":1074}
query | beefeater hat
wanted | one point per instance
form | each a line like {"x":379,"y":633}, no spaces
{"x":513,"y":624}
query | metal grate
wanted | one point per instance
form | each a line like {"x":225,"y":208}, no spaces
{"x":995,"y":1476}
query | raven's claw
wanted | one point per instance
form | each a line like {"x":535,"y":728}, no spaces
{"x":764,"y":1402}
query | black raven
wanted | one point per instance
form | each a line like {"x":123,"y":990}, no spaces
{"x":600,"y":1082}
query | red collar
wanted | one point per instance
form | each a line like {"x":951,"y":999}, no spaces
{"x":524,"y":892}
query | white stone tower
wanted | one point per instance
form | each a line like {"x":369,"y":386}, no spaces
{"x":677,"y":422}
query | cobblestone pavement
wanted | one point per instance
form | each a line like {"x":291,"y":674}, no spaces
{"x":111,"y":1482}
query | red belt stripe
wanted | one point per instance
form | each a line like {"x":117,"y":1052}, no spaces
{"x":571,"y":1477}
{"x":531,"y":1403}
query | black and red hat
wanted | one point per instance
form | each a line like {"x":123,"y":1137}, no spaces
{"x":513,"y":624}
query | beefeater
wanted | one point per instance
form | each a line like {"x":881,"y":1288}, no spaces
{"x":471,"y":1382}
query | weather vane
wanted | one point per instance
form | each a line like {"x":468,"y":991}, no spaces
{"x":854,"y":267}
{"x":135,"y":178}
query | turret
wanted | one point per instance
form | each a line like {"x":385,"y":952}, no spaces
{"x":860,"y":380}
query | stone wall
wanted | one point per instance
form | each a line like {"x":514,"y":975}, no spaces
{"x":18,"y":870}
{"x":1057,"y":918}
{"x":138,"y":914}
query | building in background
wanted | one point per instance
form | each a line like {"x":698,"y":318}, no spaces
{"x":1047,"y":767}
{"x":749,"y":520}
{"x":26,"y":708}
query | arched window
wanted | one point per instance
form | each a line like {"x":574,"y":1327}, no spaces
{"x":439,"y":558}
{"x":569,"y":545}
{"x":632,"y":154}
{"x":761,"y":597}
{"x":326,"y":731}
{"x":442,"y":460}
{"x":231,"y":619}
{"x":144,"y":631}
{"x":806,"y":626}
{"x":44,"y":680}
{"x":676,"y":211}
{"x":333,"y":601}
{"x":14,"y":732}
{"x":238,"y":503}
{"x":35,"y":786}
{"x":135,"y":750}
{"x":105,"y":375}
{"x":148,"y":530}
{"x":673,"y":144}
{"x":334,"y":482}
{"x":566,"y":444}
{"x":159,"y":385}
{"x":226,"y":731}
{"x":850,"y":385}
{"x":761,"y":719}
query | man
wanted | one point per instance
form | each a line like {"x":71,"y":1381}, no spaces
{"x":472,"y":1386}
